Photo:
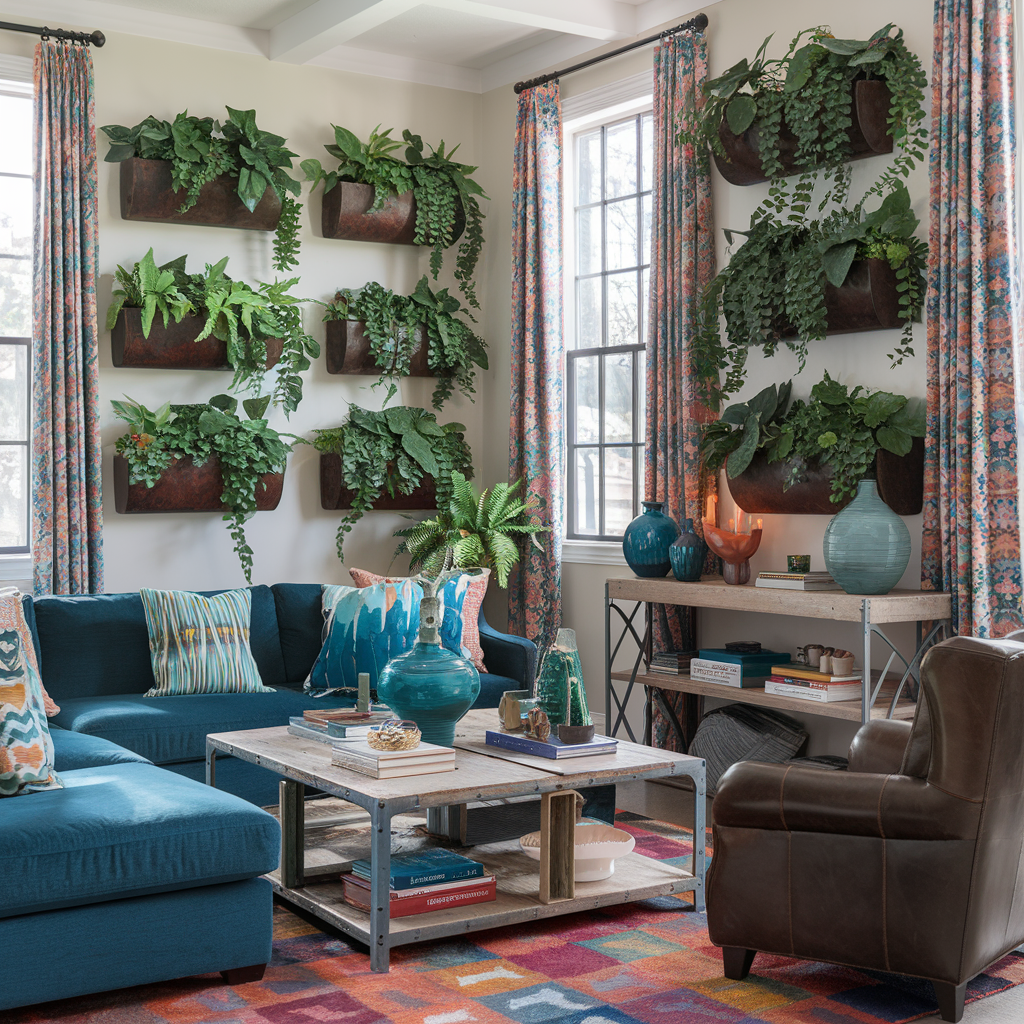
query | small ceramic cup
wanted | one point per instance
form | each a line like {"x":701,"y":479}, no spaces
{"x":798,"y":563}
{"x":814,"y":652}
{"x":842,"y":666}
{"x":825,"y":664}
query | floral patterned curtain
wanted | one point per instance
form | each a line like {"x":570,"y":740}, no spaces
{"x":67,"y":504}
{"x":535,"y":432}
{"x":971,"y":536}
{"x":682,"y":265}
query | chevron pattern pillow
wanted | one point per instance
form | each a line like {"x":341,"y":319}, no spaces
{"x":12,"y":616}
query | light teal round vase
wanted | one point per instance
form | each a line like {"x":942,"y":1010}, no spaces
{"x":867,"y":546}
{"x":647,"y":539}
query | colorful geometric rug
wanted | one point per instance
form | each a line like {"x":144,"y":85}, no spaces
{"x":639,"y":963}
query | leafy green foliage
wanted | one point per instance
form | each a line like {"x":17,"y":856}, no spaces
{"x":744,"y":428}
{"x":477,"y":529}
{"x":200,"y":149}
{"x":246,"y":449}
{"x":392,"y":323}
{"x":392,"y":451}
{"x":151,"y":289}
{"x":442,"y":188}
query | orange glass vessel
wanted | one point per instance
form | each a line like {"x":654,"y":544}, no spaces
{"x":734,"y":549}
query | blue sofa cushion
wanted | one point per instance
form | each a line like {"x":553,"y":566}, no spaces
{"x":94,"y":645}
{"x":80,"y":750}
{"x":300,"y":620}
{"x":127,"y":830}
{"x":170,"y":729}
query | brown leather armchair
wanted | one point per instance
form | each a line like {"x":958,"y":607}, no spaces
{"x":912,"y":861}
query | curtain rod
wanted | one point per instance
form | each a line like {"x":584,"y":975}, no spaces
{"x":699,"y":23}
{"x":97,"y":38}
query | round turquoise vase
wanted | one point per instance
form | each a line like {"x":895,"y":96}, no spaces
{"x":647,"y":540}
{"x":867,"y":546}
{"x":687,"y":554}
{"x":430,"y":685}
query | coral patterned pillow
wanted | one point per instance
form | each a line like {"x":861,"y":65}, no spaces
{"x":12,"y":616}
{"x":476,"y":588}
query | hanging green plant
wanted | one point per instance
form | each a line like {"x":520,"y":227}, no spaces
{"x":246,"y":450}
{"x":442,"y":188}
{"x":392,"y":451}
{"x":200,"y":148}
{"x":392,"y":322}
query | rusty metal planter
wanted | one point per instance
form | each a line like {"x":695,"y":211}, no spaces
{"x":147,"y":194}
{"x":347,"y":350}
{"x":173,"y":347}
{"x":869,"y":136}
{"x":346,"y":214}
{"x":335,"y":495}
{"x":185,"y":487}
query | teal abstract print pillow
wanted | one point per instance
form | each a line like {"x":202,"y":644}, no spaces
{"x":26,"y":750}
{"x":200,"y":644}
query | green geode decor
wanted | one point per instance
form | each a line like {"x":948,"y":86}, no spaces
{"x":560,"y":683}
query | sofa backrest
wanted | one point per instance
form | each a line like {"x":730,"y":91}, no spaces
{"x":93,"y":645}
{"x":300,"y":620}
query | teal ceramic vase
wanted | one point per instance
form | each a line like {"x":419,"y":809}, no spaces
{"x":867,"y":546}
{"x":430,"y":685}
{"x":647,"y":539}
{"x":688,"y":554}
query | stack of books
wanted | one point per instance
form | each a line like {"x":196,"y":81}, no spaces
{"x":552,"y":748}
{"x":358,"y":756}
{"x":421,"y":882}
{"x":672,"y":662}
{"x":343,"y":724}
{"x":807,"y":684}
{"x":796,"y":581}
{"x":748,"y":670}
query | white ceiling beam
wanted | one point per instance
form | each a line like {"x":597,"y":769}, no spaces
{"x":329,"y":23}
{"x":592,"y":19}
{"x":400,"y":69}
{"x":655,"y":13}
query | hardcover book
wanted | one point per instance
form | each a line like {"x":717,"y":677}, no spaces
{"x":431,"y":898}
{"x":703,"y":670}
{"x":409,"y":870}
{"x":553,"y":748}
{"x":775,"y":583}
{"x":803,"y":672}
{"x":759,"y":660}
{"x":821,"y":693}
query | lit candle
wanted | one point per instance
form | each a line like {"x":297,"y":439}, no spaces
{"x":363,"y":700}
{"x":709,"y":511}
{"x":759,"y":523}
{"x":732,"y":525}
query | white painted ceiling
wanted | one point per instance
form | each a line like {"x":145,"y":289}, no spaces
{"x":474,"y":45}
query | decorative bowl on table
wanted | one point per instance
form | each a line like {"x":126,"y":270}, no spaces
{"x":394,"y":735}
{"x":598,"y":846}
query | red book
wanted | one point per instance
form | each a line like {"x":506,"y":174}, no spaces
{"x":478,"y":890}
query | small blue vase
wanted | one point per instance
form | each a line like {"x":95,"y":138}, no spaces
{"x":866,"y":546}
{"x":647,"y":540}
{"x":688,"y":553}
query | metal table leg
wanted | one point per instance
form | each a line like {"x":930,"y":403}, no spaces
{"x":380,"y":886}
{"x":211,"y":764}
{"x":699,"y":835}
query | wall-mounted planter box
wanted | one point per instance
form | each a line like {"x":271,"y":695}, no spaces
{"x":346,"y":214}
{"x":146,"y":194}
{"x":869,"y":136}
{"x":335,"y":495}
{"x":347,"y":350}
{"x":760,"y":488}
{"x":185,"y":487}
{"x":173,"y":347}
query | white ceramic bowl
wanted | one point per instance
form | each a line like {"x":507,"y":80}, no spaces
{"x":597,"y":847}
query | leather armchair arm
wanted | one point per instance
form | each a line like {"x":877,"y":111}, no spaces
{"x":879,"y":747}
{"x":791,"y":798}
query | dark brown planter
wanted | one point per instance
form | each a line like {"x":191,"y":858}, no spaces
{"x":335,"y":495}
{"x":173,"y":347}
{"x":347,"y":350}
{"x":759,"y":488}
{"x":346,"y":214}
{"x":146,"y":194}
{"x":185,"y":487}
{"x":869,"y":136}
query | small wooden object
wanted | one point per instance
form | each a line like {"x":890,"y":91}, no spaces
{"x":293,"y":835}
{"x":557,"y":846}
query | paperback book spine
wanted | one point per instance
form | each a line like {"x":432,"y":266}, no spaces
{"x":414,"y":879}
{"x":704,"y":671}
{"x":484,"y":893}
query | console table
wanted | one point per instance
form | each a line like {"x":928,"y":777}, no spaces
{"x":713,"y":592}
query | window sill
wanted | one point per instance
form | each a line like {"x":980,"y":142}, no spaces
{"x":593,"y":552}
{"x":15,"y":568}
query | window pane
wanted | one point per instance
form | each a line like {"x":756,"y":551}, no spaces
{"x":587,"y":476}
{"x":621,"y":227}
{"x":618,"y":489}
{"x":15,"y":298}
{"x":620,"y":166}
{"x":16,"y":151}
{"x":588,"y":400}
{"x":645,"y":250}
{"x":641,"y":413}
{"x":647,"y":152}
{"x":15,"y":216}
{"x":618,"y":397}
{"x":622,"y":309}
{"x":13,"y":392}
{"x":588,"y":313}
{"x":645,"y":306}
{"x":13,"y":493}
{"x":588,"y":240}
{"x":588,"y":168}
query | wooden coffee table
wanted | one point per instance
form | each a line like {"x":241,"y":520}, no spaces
{"x":308,"y":876}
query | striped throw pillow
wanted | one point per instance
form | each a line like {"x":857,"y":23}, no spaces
{"x":26,"y":750}
{"x":12,"y":616}
{"x":200,"y":644}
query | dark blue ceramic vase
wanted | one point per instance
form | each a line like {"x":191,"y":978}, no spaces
{"x":647,"y":540}
{"x":688,"y":554}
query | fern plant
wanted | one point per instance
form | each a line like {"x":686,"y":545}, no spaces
{"x":151,"y":289}
{"x":478,"y":529}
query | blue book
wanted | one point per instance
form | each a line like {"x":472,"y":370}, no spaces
{"x":410,"y":870}
{"x":755,"y":660}
{"x":553,"y":748}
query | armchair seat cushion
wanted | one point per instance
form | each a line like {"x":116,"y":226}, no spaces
{"x":73,"y":750}
{"x":127,"y":830}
